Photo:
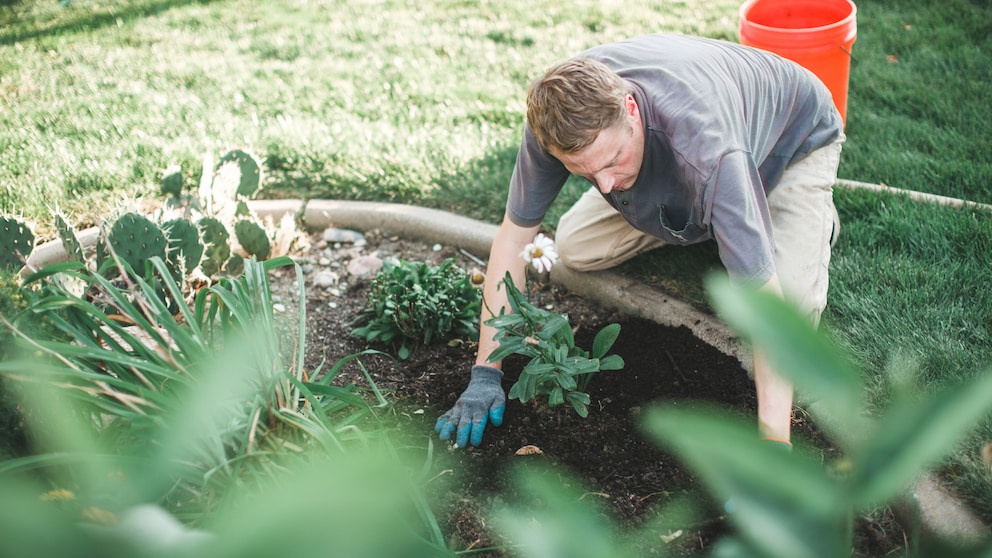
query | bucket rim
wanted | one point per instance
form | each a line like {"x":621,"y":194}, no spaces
{"x":843,"y":23}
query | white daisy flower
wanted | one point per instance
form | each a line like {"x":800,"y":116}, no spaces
{"x":541,"y":253}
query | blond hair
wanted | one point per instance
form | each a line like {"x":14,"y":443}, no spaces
{"x":573,"y":101}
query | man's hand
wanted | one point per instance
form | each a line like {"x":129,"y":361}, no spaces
{"x":482,"y":401}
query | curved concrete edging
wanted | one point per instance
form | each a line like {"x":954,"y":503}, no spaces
{"x":607,"y":288}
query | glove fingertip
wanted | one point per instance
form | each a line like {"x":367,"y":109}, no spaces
{"x":463,"y":433}
{"x":478,"y":428}
{"x":445,"y":429}
{"x":496,"y":415}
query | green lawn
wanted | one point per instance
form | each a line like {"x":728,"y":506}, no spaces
{"x":423,"y":103}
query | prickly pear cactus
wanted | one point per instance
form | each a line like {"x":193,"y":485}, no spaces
{"x":16,"y":243}
{"x":172,"y":182}
{"x":253,"y":238}
{"x":217,"y":245}
{"x":67,"y":234}
{"x":185,"y":246}
{"x":251,"y":172}
{"x":242,"y":209}
{"x":135,"y":240}
{"x":235,"y":265}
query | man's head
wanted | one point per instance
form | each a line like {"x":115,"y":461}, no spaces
{"x":573,"y":101}
{"x":585,"y":115}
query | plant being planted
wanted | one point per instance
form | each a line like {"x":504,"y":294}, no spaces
{"x":412,"y":303}
{"x":557,"y":369}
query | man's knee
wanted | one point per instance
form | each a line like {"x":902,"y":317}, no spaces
{"x":574,"y":259}
{"x":573,"y":244}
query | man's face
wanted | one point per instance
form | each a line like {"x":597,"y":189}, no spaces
{"x":613,"y":160}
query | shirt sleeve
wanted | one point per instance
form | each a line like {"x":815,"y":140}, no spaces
{"x":739,"y":219}
{"x":536,"y":181}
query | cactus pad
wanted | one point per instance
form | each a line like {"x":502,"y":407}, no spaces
{"x":67,"y":234}
{"x":16,"y":243}
{"x":217,"y":245}
{"x":185,"y":246}
{"x":253,"y":238}
{"x":251,"y":172}
{"x":172,"y":182}
{"x":135,"y":240}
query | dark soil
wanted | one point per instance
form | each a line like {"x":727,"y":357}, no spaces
{"x":626,"y":476}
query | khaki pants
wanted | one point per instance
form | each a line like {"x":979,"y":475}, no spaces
{"x":592,"y":235}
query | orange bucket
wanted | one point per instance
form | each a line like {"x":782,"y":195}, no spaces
{"x":817,"y":34}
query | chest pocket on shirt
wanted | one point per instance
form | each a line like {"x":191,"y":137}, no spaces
{"x":680,"y":231}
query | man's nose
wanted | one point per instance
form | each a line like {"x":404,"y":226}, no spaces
{"x":606,"y":183}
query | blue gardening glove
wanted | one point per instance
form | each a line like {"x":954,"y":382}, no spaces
{"x":482,"y":401}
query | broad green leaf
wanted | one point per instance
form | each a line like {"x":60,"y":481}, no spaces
{"x":337,"y":392}
{"x":912,"y":435}
{"x":796,"y":351}
{"x":506,"y":348}
{"x":537,"y":368}
{"x":565,"y":525}
{"x":581,"y":365}
{"x":554,"y":324}
{"x":784,"y":503}
{"x":611,"y":362}
{"x":604,"y":340}
{"x":566,"y":381}
{"x":577,"y":397}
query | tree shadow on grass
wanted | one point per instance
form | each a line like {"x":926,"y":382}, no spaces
{"x":75,"y":18}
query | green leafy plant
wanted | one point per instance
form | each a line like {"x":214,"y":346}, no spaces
{"x":412,"y":303}
{"x":208,"y":415}
{"x":794,"y":505}
{"x":558,"y":368}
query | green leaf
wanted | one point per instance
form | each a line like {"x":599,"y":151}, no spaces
{"x":796,"y":351}
{"x":336,"y":392}
{"x":611,"y":362}
{"x":785,"y":505}
{"x":578,"y":397}
{"x":912,"y":435}
{"x":538,"y":368}
{"x":566,"y":381}
{"x":552,"y":324}
{"x":604,"y":340}
{"x":506,"y":348}
{"x":524,"y":389}
{"x":556,"y":397}
{"x":566,"y":524}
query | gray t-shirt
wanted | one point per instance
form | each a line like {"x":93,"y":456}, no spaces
{"x":721,"y":123}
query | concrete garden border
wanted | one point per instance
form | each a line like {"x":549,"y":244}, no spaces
{"x":929,"y":508}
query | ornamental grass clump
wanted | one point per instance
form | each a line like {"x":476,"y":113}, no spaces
{"x":200,"y":433}
{"x":415,"y":303}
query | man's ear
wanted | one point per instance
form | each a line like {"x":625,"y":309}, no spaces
{"x":631,"y":105}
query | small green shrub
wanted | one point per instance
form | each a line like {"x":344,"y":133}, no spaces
{"x":557,"y":369}
{"x":412,"y":303}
